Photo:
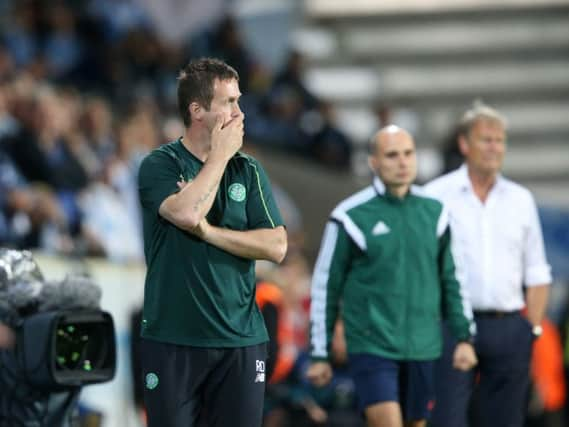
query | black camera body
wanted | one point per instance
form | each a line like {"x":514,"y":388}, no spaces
{"x":56,"y":354}
{"x":63,"y":341}
{"x":62,"y":349}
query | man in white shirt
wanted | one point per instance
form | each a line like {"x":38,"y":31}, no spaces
{"x":498,"y":240}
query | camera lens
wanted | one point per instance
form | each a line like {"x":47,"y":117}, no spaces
{"x":79,"y":346}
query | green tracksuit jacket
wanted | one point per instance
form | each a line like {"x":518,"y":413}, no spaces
{"x":388,"y":263}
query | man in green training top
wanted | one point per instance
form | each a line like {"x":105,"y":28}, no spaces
{"x":386,"y":260}
{"x":208,"y":214}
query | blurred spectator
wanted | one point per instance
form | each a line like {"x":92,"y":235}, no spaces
{"x":117,"y":17}
{"x":28,"y":214}
{"x":62,"y":50}
{"x":384,"y":114}
{"x":7,"y":66}
{"x":114,"y":229}
{"x":174,"y":21}
{"x":338,"y":398}
{"x":329,"y":145}
{"x":45,"y":148}
{"x":452,"y":157}
{"x":97,"y":126}
{"x":285,"y":104}
{"x":295,"y":402}
{"x":109,"y":228}
{"x":21,"y":36}
{"x":8,"y":124}
{"x":299,"y":122}
{"x":227,"y":44}
{"x":289,"y":80}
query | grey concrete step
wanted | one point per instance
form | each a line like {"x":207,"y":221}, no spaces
{"x":455,"y":38}
{"x":318,"y":9}
{"x":475,"y":79}
{"x":368,"y":84}
{"x":539,"y":161}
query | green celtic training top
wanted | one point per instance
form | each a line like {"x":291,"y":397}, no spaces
{"x":195,"y":293}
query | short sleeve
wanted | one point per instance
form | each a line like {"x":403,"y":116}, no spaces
{"x":157,"y":179}
{"x":262,"y":210}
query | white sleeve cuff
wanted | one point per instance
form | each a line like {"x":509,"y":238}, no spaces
{"x":538,"y":275}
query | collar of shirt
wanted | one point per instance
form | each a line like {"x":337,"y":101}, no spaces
{"x":381,"y":190}
{"x":465,"y":184}
{"x":378,"y":185}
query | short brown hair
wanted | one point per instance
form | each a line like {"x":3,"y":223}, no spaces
{"x":195,"y":83}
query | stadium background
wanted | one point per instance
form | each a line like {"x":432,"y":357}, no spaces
{"x":319,"y":76}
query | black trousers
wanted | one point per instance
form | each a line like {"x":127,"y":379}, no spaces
{"x":503,"y":347}
{"x":193,"y":386}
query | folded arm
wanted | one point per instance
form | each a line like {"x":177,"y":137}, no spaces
{"x":189,"y":206}
{"x":263,"y":243}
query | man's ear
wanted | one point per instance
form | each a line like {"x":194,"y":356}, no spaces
{"x":195,"y":111}
{"x":371,"y":163}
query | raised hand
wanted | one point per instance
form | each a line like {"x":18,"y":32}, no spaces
{"x":227,"y":139}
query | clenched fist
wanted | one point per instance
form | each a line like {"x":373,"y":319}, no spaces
{"x":319,"y":373}
{"x":464,"y":357}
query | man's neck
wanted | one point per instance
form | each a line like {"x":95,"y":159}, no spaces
{"x":399,"y":191}
{"x":197,"y":142}
{"x":481,"y":183}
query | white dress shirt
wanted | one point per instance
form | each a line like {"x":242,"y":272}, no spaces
{"x":499,"y":242}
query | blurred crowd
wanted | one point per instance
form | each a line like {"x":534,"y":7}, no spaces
{"x":87,"y":88}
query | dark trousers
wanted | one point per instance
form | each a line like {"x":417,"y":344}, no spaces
{"x":503,"y":347}
{"x":213,"y":387}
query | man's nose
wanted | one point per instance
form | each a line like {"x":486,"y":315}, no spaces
{"x":236,"y":111}
{"x":495,"y":144}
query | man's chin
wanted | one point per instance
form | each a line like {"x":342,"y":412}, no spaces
{"x":493,"y":167}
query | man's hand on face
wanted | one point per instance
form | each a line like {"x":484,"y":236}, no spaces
{"x":227,"y":138}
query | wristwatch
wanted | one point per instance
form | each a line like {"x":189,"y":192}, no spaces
{"x":536,"y":331}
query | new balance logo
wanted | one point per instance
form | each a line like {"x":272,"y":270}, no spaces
{"x":380,"y":228}
{"x":260,"y":368}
